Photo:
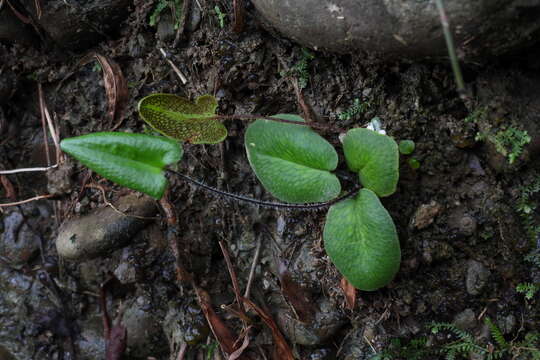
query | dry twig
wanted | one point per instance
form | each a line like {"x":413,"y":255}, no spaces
{"x":182,"y":77}
{"x":39,"y":197}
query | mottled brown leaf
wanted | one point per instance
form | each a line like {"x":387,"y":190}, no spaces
{"x":115,"y":87}
{"x":297,"y":296}
{"x":222,"y":333}
{"x":350,"y":293}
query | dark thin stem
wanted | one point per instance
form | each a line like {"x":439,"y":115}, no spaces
{"x":281,"y":120}
{"x":451,"y":49}
{"x":276,"y":205}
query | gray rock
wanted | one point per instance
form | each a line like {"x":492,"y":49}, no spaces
{"x":91,"y":343}
{"x":73,"y":25}
{"x":59,"y":179}
{"x":465,"y":320}
{"x":21,"y":297}
{"x":507,"y":324}
{"x":185,"y":324}
{"x":355,"y":346}
{"x":145,"y":337}
{"x":104,"y":230}
{"x":126,"y":271}
{"x":325,"y":324}
{"x":18,"y":242}
{"x":410,"y":28}
{"x":477,"y":277}
{"x":165,"y":27}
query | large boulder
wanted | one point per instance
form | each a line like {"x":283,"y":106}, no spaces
{"x":73,"y":25}
{"x":405,"y":28}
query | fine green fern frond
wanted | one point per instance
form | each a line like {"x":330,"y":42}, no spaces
{"x":460,"y":334}
{"x":529,"y":289}
{"x":496,"y":333}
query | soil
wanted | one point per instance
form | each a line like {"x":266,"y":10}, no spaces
{"x":464,"y":240}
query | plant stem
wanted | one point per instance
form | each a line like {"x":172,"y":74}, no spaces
{"x":276,"y":205}
{"x":451,"y":50}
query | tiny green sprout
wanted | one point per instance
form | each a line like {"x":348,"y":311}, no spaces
{"x":355,"y":109}
{"x":413,"y":163}
{"x":528,"y":289}
{"x":301,"y":69}
{"x":161,"y":6}
{"x":221,"y":16}
{"x":406,"y":147}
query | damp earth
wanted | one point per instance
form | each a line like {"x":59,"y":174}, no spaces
{"x":465,"y":207}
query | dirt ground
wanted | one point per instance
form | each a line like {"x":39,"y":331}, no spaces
{"x":465,"y":216}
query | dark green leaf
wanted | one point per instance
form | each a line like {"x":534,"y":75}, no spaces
{"x":292,"y":161}
{"x":179,"y":118}
{"x":376,"y":159}
{"x":135,"y":161}
{"x":361,"y":240}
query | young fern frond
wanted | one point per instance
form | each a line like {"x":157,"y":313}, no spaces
{"x":496,"y":334}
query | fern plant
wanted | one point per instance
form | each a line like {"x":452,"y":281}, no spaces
{"x":528,"y":289}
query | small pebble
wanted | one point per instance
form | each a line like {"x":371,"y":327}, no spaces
{"x":425,"y":215}
{"x":465,"y":320}
{"x":477,"y":277}
{"x":104,"y":229}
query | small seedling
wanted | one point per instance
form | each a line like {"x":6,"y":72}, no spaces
{"x":221,"y":16}
{"x":161,"y":5}
{"x":413,"y":163}
{"x":356,"y":108}
{"x":476,"y":115}
{"x":291,"y":160}
{"x":300,"y":70}
{"x":406,"y":147}
{"x":528,"y":289}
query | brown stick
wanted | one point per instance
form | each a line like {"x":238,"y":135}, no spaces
{"x":39,"y":197}
{"x":232,"y":274}
{"x":238,"y":25}
{"x":182,"y":274}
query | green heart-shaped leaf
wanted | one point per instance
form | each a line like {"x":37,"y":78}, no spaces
{"x":375,"y":157}
{"x":135,"y":161}
{"x":179,"y":118}
{"x":292,"y":161}
{"x":361,"y":240}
